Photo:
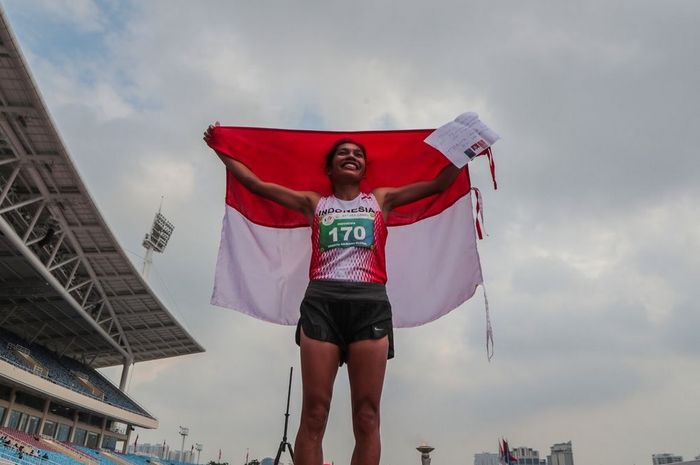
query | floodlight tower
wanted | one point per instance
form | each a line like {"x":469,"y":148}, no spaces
{"x":183,"y":432}
{"x":198,"y":447}
{"x":156,"y":239}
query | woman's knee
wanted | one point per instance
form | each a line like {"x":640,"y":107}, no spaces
{"x":314,"y":418}
{"x":365,"y":419}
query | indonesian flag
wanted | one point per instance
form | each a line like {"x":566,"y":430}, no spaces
{"x":505,"y":457}
{"x":263,"y":264}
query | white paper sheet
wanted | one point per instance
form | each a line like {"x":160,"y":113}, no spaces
{"x":463,"y":139}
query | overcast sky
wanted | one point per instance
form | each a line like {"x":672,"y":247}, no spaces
{"x":593,"y":253}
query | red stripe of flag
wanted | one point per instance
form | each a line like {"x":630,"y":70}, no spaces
{"x":295,"y":159}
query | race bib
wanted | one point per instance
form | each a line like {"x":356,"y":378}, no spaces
{"x":346,"y":230}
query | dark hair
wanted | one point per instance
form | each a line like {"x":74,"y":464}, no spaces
{"x":331,"y":152}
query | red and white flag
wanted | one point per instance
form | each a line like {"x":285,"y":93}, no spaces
{"x":263,"y":264}
{"x":505,"y":456}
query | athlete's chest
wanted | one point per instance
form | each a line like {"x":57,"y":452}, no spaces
{"x":346,"y":224}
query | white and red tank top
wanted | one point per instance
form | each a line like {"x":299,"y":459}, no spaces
{"x":347,"y":240}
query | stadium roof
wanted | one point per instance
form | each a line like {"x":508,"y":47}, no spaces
{"x":65,"y":282}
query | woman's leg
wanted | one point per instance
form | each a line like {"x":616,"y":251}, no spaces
{"x":366,"y":368}
{"x":319,"y":365}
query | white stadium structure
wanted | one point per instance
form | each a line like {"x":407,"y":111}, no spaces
{"x":70,"y":299}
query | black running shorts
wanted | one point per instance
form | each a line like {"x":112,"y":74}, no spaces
{"x":345,"y":312}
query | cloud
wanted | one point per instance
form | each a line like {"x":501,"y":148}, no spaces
{"x":159,"y":175}
{"x":591,"y":258}
{"x":85,"y":15}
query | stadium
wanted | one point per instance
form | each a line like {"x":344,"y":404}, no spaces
{"x":71,"y":301}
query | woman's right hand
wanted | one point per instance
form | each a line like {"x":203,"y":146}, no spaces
{"x":209,"y":131}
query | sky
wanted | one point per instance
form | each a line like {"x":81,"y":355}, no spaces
{"x":593,"y":246}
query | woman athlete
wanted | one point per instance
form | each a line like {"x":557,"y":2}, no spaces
{"x":345,"y":314}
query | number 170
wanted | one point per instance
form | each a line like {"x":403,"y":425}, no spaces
{"x":358,"y":233}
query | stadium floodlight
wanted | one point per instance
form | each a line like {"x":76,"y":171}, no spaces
{"x":160,"y":233}
{"x":184,"y":431}
{"x":198,"y":447}
{"x":156,"y":240}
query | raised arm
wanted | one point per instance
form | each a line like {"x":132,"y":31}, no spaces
{"x":393,"y":197}
{"x":302,"y":201}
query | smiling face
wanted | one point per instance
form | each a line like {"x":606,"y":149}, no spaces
{"x":347,"y":163}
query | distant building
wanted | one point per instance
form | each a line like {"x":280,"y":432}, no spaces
{"x":186,"y":457}
{"x":151,"y":450}
{"x":665,"y":459}
{"x":528,"y":456}
{"x":486,"y":458}
{"x":687,"y":462}
{"x":561,"y":454}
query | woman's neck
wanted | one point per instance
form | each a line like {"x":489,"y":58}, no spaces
{"x":346,"y":191}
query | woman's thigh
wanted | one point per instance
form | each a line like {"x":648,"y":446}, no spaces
{"x":319,"y":366}
{"x":367,"y":361}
